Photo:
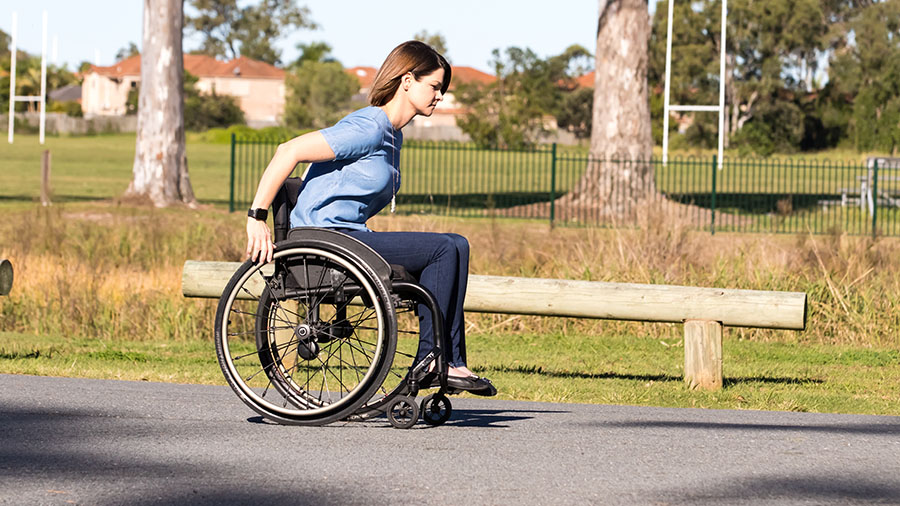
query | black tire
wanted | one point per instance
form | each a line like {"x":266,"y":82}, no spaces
{"x":403,"y":412}
{"x":292,"y":346}
{"x":436,"y":409}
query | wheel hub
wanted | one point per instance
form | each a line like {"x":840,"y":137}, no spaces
{"x":307,"y":347}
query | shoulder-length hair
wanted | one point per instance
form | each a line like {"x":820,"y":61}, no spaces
{"x":412,"y":56}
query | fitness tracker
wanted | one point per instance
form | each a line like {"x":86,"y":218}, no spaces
{"x":258,"y":214}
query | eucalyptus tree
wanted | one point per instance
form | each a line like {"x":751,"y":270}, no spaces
{"x":160,"y":163}
{"x":619,"y":176}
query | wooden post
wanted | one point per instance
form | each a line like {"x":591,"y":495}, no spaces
{"x":6,"y":276}
{"x":582,"y":299}
{"x":703,"y":354}
{"x":704,"y":311}
{"x":45,"y":178}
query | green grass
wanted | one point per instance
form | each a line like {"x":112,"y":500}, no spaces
{"x":463,"y":180}
{"x":184,"y":361}
{"x":647,"y":371}
{"x":611,"y":369}
{"x":100,"y":167}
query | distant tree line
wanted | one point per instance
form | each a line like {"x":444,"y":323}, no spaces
{"x":802,"y":76}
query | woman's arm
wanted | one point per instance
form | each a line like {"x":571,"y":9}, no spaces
{"x":310,"y":147}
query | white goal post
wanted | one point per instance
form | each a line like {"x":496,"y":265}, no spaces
{"x":695,"y":108}
{"x":13,"y":98}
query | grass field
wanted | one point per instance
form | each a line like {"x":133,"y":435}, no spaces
{"x":629,"y":370}
{"x":99,"y":167}
{"x":775,"y":195}
{"x":97,"y":294}
{"x":782,"y":195}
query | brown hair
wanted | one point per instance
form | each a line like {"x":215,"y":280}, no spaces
{"x":412,"y":56}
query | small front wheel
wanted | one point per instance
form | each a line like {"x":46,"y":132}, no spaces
{"x":436,"y":409}
{"x":403,"y":412}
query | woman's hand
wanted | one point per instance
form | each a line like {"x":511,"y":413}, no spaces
{"x":259,"y":241}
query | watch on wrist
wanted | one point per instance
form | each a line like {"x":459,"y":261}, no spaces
{"x":258,"y":214}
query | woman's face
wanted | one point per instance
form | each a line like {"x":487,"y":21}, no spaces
{"x":424,"y":94}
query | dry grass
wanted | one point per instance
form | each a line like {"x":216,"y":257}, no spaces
{"x":113,"y":271}
{"x":851,"y":281}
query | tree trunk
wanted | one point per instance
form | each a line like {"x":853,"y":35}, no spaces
{"x":160,"y":163}
{"x":620,"y":175}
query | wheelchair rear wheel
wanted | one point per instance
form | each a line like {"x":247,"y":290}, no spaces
{"x":307,"y":338}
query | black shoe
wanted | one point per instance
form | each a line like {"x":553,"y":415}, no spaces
{"x":473,"y":384}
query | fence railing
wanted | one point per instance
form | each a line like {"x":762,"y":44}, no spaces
{"x":548,"y":183}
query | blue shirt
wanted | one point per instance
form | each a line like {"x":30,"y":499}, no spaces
{"x":362,"y":178}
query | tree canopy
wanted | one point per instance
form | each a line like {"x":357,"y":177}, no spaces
{"x":512,"y":111}
{"x":319,"y":90}
{"x":435,"y":40}
{"x":229,"y":29}
{"x":128,"y":51}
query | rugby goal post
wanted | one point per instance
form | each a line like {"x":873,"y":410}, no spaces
{"x":13,"y":98}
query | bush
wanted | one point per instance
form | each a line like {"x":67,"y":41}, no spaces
{"x":70,"y":107}
{"x":274,"y":133}
{"x":202,"y":112}
{"x":754,"y":138}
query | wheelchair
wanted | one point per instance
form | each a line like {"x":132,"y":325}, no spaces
{"x":328,"y":331}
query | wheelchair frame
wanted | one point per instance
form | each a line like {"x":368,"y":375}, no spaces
{"x":323,"y":318}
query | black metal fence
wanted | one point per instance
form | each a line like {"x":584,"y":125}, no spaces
{"x":745,"y":195}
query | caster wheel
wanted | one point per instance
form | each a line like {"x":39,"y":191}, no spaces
{"x":403,"y":412}
{"x":436,"y":409}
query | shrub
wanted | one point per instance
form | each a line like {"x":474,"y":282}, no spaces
{"x":70,"y":107}
{"x":202,"y":112}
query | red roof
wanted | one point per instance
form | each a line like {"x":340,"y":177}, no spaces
{"x":586,"y":81}
{"x":469,"y":75}
{"x":130,"y":66}
{"x":366,"y":75}
{"x":201,"y":66}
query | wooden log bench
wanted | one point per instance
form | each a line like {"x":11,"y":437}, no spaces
{"x":703,"y":311}
{"x":6,"y":276}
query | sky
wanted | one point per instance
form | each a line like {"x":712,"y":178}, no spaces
{"x":361,"y":32}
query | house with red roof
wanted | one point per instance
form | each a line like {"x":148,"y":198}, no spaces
{"x":447,"y":109}
{"x":257,"y":86}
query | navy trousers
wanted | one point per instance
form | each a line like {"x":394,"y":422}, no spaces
{"x":441,"y":264}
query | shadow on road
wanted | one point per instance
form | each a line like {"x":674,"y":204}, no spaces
{"x":56,"y":456}
{"x":803,"y":489}
{"x":493,"y":417}
{"x":524,"y":369}
{"x":873,"y":429}
{"x":485,"y":418}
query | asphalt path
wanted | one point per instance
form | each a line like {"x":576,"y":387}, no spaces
{"x":77,"y":441}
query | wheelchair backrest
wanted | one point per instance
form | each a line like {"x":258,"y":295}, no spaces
{"x":282,"y":205}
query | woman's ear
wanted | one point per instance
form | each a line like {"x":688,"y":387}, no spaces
{"x":407,"y":81}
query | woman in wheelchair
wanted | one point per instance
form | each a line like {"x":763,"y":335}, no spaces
{"x":355,"y":173}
